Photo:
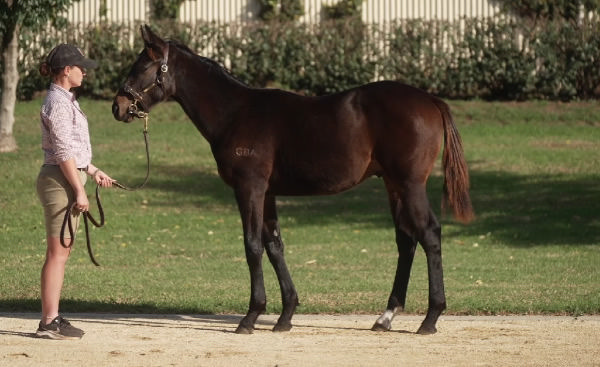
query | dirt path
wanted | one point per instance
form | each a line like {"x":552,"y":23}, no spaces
{"x":315,"y":340}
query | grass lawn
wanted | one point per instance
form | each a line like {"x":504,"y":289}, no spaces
{"x":176,"y":246}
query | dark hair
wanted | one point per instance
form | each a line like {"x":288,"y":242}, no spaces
{"x":46,"y":70}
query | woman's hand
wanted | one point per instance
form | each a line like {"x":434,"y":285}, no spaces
{"x":102,"y":179}
{"x":81,"y":201}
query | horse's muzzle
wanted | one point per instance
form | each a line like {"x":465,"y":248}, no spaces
{"x":120,"y":109}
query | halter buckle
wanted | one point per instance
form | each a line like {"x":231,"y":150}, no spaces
{"x":134,"y":110}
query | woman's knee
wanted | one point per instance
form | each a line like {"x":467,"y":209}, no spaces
{"x":56,"y":251}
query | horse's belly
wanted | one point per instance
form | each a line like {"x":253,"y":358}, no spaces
{"x":316,"y":180}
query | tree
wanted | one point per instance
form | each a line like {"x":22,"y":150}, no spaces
{"x":16,"y":15}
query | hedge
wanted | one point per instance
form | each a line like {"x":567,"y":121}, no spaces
{"x":492,"y":58}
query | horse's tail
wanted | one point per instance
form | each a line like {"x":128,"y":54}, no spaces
{"x":456,"y":173}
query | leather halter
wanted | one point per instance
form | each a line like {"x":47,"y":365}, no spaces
{"x":141,"y":111}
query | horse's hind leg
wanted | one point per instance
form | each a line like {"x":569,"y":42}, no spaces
{"x":406,"y":251}
{"x":430,"y":240}
{"x":275,"y":250}
{"x":415,"y":221}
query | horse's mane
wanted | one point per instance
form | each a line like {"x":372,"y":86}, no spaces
{"x":213,"y":66}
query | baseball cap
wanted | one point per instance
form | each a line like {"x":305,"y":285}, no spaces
{"x":66,"y":55}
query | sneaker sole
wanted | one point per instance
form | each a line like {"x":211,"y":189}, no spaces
{"x":48,"y":334}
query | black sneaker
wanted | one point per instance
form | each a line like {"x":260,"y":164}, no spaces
{"x":59,"y":329}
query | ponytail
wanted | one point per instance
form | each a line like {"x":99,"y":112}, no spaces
{"x":45,"y":69}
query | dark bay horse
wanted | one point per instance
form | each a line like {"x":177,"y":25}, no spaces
{"x":270,"y":142}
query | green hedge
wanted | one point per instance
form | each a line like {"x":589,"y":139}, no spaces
{"x":471,"y":58}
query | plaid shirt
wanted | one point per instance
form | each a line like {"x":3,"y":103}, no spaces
{"x":65,"y":133}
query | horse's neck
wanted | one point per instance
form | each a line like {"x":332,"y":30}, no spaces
{"x":208,"y":98}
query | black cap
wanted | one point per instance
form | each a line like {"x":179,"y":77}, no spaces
{"x":67,"y":55}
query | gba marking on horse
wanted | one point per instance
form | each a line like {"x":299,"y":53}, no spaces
{"x":270,"y":142}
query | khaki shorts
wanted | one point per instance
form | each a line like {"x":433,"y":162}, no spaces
{"x":56,"y":196}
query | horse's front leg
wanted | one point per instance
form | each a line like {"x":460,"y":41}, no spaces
{"x":275,"y":250}
{"x":251,"y":204}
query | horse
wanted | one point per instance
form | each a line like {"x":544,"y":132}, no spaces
{"x":270,"y":142}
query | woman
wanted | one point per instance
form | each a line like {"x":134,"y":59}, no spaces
{"x":67,"y":161}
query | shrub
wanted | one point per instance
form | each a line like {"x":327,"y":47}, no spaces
{"x":490,"y":58}
{"x":569,"y":61}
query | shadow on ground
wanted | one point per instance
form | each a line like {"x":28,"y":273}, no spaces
{"x":519,"y":210}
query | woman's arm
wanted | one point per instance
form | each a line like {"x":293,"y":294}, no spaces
{"x":69,"y":169}
{"x":99,"y":176}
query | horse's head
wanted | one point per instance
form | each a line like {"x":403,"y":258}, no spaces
{"x":148,"y":82}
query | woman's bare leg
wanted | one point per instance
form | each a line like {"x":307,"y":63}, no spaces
{"x":53,"y":273}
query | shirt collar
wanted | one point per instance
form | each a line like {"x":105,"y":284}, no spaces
{"x":58,"y":88}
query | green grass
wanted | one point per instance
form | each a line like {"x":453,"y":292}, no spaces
{"x":176,"y":246}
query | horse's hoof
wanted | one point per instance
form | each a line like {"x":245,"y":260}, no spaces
{"x":426,"y":330}
{"x":244,"y":330}
{"x":282,"y":327}
{"x":381,"y":327}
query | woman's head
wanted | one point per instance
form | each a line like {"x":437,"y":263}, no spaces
{"x":67,"y":65}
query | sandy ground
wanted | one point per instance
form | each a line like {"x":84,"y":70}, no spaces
{"x":315,"y":340}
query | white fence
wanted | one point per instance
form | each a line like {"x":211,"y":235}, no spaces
{"x":121,"y":11}
{"x":225,"y":11}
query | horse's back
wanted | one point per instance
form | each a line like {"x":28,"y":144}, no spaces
{"x":324,"y":145}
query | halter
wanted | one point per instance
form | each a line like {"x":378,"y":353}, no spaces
{"x":138,"y":97}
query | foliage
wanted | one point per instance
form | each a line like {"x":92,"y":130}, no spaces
{"x":493,"y":59}
{"x":550,"y":9}
{"x":500,"y":68}
{"x":490,"y":58}
{"x":416,"y":56}
{"x":341,"y":58}
{"x":165,"y":9}
{"x":28,"y":16}
{"x":99,"y":43}
{"x":281,"y":10}
{"x":343,"y":9}
{"x":309,"y":60}
{"x":569,"y":61}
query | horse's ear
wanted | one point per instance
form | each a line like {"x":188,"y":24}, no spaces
{"x":155,"y":46}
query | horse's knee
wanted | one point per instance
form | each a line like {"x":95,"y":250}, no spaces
{"x":431,"y":235}
{"x":254,"y":252}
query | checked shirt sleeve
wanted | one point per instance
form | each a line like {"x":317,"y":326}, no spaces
{"x":60,"y":125}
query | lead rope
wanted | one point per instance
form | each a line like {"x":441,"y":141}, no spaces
{"x":67,"y":222}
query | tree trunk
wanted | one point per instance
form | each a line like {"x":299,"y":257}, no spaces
{"x":10,"y":78}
